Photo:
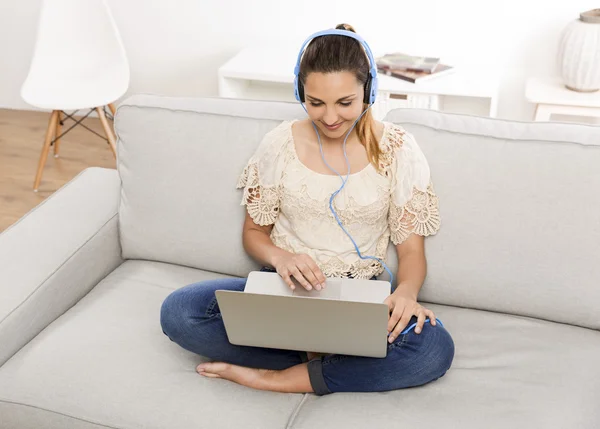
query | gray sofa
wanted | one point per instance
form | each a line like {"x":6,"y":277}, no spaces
{"x":514,"y":274}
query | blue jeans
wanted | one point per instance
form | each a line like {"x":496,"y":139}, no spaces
{"x":190,"y":317}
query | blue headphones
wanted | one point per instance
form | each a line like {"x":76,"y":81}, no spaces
{"x":372,"y":81}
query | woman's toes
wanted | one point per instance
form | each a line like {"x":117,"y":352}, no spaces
{"x":250,"y":377}
{"x":212,"y":368}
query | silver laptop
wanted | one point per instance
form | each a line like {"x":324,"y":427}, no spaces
{"x":347,"y":317}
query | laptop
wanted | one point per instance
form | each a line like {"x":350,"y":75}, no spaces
{"x":347,"y":317}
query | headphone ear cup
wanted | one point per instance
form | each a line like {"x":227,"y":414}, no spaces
{"x":296,"y":93}
{"x":367,"y":97}
{"x":300,"y":91}
{"x":374,"y":87}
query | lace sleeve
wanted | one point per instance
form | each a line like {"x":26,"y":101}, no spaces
{"x":261,"y":177}
{"x":413,"y":201}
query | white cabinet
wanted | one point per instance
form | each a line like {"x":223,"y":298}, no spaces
{"x":550,"y":96}
{"x":267,"y":73}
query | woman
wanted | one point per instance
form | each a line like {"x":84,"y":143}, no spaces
{"x":290,"y":229}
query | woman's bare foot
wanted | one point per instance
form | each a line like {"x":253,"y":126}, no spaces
{"x":250,"y":377}
{"x":291,"y":380}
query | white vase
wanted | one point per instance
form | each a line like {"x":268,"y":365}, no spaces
{"x":579,"y":53}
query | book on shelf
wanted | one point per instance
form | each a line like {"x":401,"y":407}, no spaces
{"x":400,"y":60}
{"x":412,"y":68}
{"x":415,"y":76}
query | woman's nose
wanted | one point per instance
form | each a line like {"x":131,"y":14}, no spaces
{"x":330,"y":117}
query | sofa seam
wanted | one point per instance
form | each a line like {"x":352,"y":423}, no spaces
{"x":144,"y":282}
{"x":511,"y":139}
{"x":500,"y":120}
{"x":57,"y":269}
{"x":493,"y":119}
{"x":185,"y":266}
{"x":296,"y":411}
{"x":120,"y":276}
{"x":127,"y":102}
{"x":57,"y":412}
{"x":182,"y":110}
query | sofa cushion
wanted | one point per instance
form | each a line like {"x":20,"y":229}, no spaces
{"x":508,"y":372}
{"x":107,"y":363}
{"x":520,"y":205}
{"x":179,"y":160}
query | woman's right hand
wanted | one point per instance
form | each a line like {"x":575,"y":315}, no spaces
{"x":302,"y":267}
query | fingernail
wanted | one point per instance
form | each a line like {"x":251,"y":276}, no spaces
{"x":418,"y":330}
{"x":391,"y":339}
{"x":309,"y":287}
{"x":323,"y":285}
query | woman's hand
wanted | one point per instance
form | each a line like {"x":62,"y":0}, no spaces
{"x":302,"y":267}
{"x":403,"y":307}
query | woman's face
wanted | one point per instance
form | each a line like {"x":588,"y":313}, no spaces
{"x":333,"y":99}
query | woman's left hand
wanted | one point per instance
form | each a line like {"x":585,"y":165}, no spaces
{"x":402,"y":308}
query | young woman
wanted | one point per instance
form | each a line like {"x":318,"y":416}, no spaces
{"x":290,"y":229}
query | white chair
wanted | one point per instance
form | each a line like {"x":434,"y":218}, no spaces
{"x":78,"y":63}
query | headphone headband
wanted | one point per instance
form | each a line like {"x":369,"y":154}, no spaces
{"x":371,"y":91}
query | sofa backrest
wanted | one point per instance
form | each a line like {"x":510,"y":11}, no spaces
{"x":520,"y":210}
{"x":520,"y":202}
{"x":179,"y":160}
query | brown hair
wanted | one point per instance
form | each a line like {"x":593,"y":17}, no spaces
{"x":333,"y":53}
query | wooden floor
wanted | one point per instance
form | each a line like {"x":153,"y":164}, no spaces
{"x":21,"y":139}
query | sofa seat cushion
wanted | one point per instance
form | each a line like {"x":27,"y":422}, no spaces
{"x":508,"y":371}
{"x":107,"y":363}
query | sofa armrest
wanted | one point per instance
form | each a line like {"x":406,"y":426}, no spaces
{"x":55,"y":254}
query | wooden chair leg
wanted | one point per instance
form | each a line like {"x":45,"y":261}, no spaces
{"x":58,"y":130}
{"x":107,"y":130}
{"x":112,"y":108}
{"x":45,"y":149}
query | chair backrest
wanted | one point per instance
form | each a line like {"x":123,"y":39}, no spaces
{"x":75,"y":38}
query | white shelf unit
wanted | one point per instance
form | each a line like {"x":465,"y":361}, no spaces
{"x":551,"y":97}
{"x":266,"y":73}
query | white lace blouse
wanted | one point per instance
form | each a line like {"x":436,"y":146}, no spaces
{"x":374,"y":207}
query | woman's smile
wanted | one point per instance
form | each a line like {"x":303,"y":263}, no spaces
{"x":334,"y":127}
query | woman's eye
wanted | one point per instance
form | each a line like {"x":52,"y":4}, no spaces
{"x":348,"y":103}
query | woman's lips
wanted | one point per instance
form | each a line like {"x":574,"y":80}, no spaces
{"x":335,"y":127}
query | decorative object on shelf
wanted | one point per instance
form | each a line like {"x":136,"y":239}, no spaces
{"x":579,"y":53}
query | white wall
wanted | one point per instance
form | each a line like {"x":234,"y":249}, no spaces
{"x":175,"y":47}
